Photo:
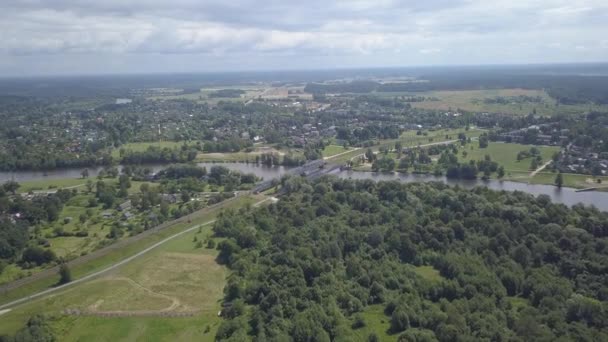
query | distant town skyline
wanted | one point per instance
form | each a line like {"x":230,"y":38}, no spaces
{"x":69,"y":37}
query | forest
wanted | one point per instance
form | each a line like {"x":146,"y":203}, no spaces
{"x":504,"y":265}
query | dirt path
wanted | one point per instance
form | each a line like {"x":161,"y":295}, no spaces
{"x":542,"y":167}
{"x":341,"y":153}
{"x":94,"y":309}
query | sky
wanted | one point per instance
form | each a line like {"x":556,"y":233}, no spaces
{"x":54,"y":37}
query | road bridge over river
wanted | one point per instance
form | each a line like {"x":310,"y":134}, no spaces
{"x":311,"y":170}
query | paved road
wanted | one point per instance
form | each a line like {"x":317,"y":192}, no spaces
{"x":17,"y":302}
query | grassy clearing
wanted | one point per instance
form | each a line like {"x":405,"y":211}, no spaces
{"x":428,"y":273}
{"x":177,"y":277}
{"x":505,"y":154}
{"x":518,"y":302}
{"x":473,"y":100}
{"x":375,"y":322}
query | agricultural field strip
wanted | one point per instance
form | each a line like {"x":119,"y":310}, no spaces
{"x":95,"y":274}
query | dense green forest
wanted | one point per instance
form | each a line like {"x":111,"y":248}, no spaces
{"x":505,"y":265}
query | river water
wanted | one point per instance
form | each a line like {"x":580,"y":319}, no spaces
{"x":566,"y":196}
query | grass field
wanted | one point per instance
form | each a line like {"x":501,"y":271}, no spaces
{"x":505,"y":154}
{"x":176,"y":277}
{"x":571,"y":180}
{"x":473,"y":100}
{"x":49,"y":184}
{"x":332,"y":150}
{"x":118,"y":254}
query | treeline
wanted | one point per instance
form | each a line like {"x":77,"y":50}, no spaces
{"x":505,"y":266}
{"x":346,"y":87}
{"x":358,"y":135}
{"x":187,"y":178}
{"x":155,"y":154}
{"x":35,"y":158}
{"x":227,"y":93}
{"x":566,"y":89}
{"x":35,"y":330}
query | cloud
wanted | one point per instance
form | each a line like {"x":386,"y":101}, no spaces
{"x":273,"y":32}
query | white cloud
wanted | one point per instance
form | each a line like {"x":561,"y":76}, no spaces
{"x":430,"y":51}
{"x":361,"y":32}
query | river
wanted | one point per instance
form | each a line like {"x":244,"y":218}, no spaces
{"x":566,"y":196}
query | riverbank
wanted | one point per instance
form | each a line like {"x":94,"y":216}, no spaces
{"x":571,"y":180}
{"x":520,"y":180}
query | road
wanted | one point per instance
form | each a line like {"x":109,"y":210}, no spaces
{"x":20,"y":301}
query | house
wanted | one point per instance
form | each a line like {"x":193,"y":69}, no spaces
{"x":107,"y":214}
{"x":169,"y":198}
{"x":125,"y":206}
{"x":127,"y":215}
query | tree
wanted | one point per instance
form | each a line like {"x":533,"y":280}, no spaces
{"x":399,"y":320}
{"x":11,"y":186}
{"x":500,"y":172}
{"x":89,"y":185}
{"x":483,"y":141}
{"x":534,"y":164}
{"x":65,"y":275}
{"x":369,"y":155}
{"x":559,"y":180}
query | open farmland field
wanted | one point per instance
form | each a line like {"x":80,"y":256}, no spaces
{"x":474,"y":100}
